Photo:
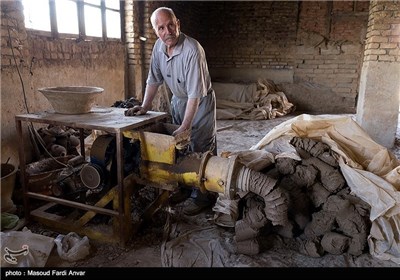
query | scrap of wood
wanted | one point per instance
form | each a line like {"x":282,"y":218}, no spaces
{"x":224,"y":128}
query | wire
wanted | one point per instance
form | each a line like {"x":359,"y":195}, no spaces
{"x":19,"y":73}
{"x":35,"y":135}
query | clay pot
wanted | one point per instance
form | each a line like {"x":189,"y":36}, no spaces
{"x":8,"y":176}
{"x":72,"y":99}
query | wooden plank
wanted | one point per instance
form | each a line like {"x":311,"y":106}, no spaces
{"x":73,"y":204}
{"x":103,"y":234}
{"x":101,"y":203}
{"x":45,"y":215}
{"x":156,"y":205}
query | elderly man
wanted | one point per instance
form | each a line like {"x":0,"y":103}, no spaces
{"x":180,"y":62}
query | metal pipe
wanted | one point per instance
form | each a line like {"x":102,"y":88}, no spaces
{"x":203,"y":171}
{"x":160,"y":166}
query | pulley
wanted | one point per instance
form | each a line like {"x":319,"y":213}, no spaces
{"x":92,"y":175}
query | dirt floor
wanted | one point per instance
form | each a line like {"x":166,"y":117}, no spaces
{"x":154,"y":244}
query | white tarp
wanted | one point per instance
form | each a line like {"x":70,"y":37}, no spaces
{"x":255,"y":101}
{"x":371,"y":171}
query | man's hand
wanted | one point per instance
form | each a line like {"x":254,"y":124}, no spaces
{"x":135,"y":110}
{"x":181,"y":131}
{"x":182,"y":134}
{"x":182,"y":137}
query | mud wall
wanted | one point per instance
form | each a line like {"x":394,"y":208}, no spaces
{"x":32,"y":60}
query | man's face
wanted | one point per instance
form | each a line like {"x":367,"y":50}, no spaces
{"x":167,"y":28}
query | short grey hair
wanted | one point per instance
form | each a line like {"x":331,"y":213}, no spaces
{"x":154,"y":15}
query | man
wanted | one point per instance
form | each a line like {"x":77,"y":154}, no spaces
{"x":180,"y":62}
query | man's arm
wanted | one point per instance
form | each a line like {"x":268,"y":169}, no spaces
{"x":191,"y":109}
{"x":150,"y":93}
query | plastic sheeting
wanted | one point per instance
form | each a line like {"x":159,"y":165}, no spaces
{"x":72,"y":247}
{"x":255,"y":101}
{"x":371,"y":171}
{"x":25,"y":249}
{"x":196,"y":247}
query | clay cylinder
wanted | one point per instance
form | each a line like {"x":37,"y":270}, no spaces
{"x":243,"y":231}
{"x":76,"y":160}
{"x":58,"y":150}
{"x":248,"y":247}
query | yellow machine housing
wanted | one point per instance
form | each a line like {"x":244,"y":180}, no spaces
{"x":163,"y":166}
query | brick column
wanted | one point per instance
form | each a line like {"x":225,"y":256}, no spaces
{"x":379,"y":90}
{"x":133,"y":30}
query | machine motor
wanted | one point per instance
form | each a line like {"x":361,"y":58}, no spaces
{"x":101,"y":172}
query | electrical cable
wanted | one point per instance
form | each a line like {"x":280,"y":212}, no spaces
{"x":33,"y":132}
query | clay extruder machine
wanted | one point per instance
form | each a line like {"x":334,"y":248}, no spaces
{"x":134,"y":151}
{"x":109,"y":120}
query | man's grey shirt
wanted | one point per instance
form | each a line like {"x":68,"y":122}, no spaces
{"x":186,"y":74}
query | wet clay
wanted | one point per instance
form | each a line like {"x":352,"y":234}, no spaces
{"x":308,"y":202}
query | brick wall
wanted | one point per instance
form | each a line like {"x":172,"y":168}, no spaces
{"x":40,"y":57}
{"x":383,"y":36}
{"x":321,"y":42}
{"x":249,"y":34}
{"x":13,"y":35}
{"x":329,"y":46}
{"x":44,"y":50}
{"x":140,"y":39}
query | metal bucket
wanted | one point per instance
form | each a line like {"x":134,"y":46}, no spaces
{"x":8,"y":176}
